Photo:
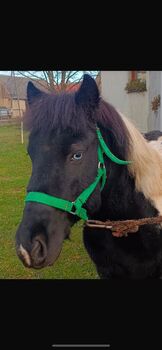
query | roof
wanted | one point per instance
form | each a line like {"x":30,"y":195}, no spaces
{"x":14,"y":86}
{"x":18,"y":86}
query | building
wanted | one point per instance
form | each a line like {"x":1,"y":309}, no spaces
{"x":13,"y":96}
{"x":136,"y":94}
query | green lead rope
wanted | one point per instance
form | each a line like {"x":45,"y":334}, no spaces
{"x":76,"y":208}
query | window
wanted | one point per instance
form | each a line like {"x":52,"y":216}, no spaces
{"x":141,"y":75}
{"x":136,"y":82}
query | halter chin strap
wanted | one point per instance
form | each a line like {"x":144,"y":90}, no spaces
{"x":76,"y":207}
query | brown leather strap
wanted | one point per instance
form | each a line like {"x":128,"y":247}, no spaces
{"x":122,"y":228}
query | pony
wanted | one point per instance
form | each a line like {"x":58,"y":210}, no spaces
{"x":155,"y":139}
{"x":153,"y":135}
{"x":64,"y":150}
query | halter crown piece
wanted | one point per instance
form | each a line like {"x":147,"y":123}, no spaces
{"x":76,"y":207}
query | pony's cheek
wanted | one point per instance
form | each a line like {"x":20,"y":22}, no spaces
{"x":94,"y":202}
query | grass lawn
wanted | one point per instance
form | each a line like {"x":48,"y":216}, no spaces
{"x":15,"y":169}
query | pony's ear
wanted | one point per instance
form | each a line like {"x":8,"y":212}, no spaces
{"x":32,"y":92}
{"x":88,"y":93}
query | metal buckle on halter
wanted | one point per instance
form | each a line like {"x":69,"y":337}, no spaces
{"x":101,"y":165}
{"x":73,"y":212}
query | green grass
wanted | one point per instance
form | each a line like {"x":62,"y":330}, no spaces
{"x":15,"y":169}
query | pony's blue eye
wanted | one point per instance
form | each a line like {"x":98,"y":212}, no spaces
{"x":77,"y":156}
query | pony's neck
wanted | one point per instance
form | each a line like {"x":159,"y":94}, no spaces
{"x":130,"y":189}
{"x":146,"y":168}
{"x":120,"y":200}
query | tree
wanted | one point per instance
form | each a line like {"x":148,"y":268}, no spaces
{"x":59,"y":80}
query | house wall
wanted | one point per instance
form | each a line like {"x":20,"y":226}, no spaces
{"x":133,"y":105}
{"x":15,"y":108}
{"x":155,"y":86}
{"x":5,"y":102}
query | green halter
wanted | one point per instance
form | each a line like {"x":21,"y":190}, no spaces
{"x":76,"y":207}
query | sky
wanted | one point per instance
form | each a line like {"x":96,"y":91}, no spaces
{"x":79,"y":74}
{"x":6,"y":72}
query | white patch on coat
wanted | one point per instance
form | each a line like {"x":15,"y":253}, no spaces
{"x":25,"y":255}
{"x":157,"y":144}
{"x":146,"y":167}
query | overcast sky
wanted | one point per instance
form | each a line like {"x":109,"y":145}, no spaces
{"x":6,"y":72}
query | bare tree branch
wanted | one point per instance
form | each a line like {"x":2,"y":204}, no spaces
{"x":52,"y":81}
{"x":38,"y":80}
{"x":70,"y":75}
{"x":45,"y":76}
{"x":57,"y":76}
{"x":63,"y":77}
{"x":30,"y":74}
{"x":58,"y":80}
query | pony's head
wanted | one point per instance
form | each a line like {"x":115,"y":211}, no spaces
{"x":63,"y":149}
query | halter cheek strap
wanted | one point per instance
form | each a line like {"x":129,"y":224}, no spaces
{"x":76,"y":207}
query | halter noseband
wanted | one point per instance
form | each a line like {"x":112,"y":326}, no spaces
{"x":76,"y":207}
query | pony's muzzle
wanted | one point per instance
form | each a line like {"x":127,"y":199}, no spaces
{"x":40,"y":249}
{"x":40,"y":235}
{"x":31,"y":244}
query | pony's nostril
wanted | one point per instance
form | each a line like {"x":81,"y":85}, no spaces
{"x":39,"y":250}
